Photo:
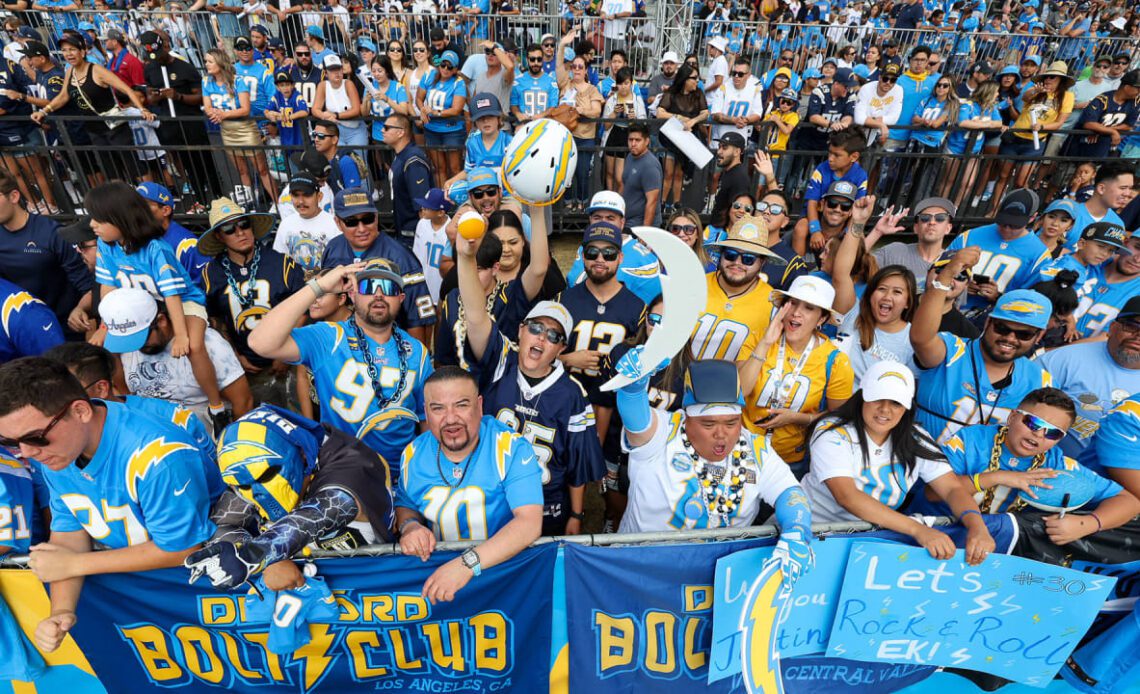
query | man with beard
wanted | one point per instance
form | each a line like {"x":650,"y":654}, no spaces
{"x":306,"y":76}
{"x":535,"y":91}
{"x":469,"y":477}
{"x":836,"y":208}
{"x":639,"y":270}
{"x":361,"y":240}
{"x":369,"y":374}
{"x":1118,"y":281}
{"x":139,"y":331}
{"x":978,"y":381}
{"x":933,"y":221}
{"x":1098,"y":375}
{"x":243,"y":281}
{"x":739,"y":306}
{"x":527,"y":388}
{"x":1112,"y":192}
{"x":662,"y":81}
{"x":734,"y":179}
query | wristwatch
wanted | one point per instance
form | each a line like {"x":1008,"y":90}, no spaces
{"x":470,"y":559}
{"x":316,"y":287}
{"x":577,"y":515}
{"x":938,"y":285}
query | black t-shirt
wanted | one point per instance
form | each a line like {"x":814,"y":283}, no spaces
{"x":345,"y":462}
{"x":184,"y":79}
{"x":957,"y":324}
{"x":734,"y":182}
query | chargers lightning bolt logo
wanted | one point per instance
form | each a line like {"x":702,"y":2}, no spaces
{"x":143,"y":459}
{"x":759,"y":621}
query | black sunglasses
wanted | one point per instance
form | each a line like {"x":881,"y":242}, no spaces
{"x":838,"y":204}
{"x":239,"y":225}
{"x":534,"y":59}
{"x":888,"y":79}
{"x":38,"y":438}
{"x":321,"y":136}
{"x":366,"y":219}
{"x":736,"y":73}
{"x":397,"y":49}
{"x":302,"y":53}
{"x":548,"y":45}
{"x":389,"y":126}
{"x":1004,"y":329}
{"x":683,"y":228}
{"x":419,"y":50}
{"x":480,"y":193}
{"x":552,"y":336}
{"x":609,"y":253}
{"x":927,"y":218}
{"x":444,"y":65}
{"x":746,"y":259}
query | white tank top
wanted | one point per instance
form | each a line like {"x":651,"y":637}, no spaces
{"x":336,"y":101}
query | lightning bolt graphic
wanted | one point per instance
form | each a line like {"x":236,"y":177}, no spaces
{"x":1010,"y":605}
{"x":314,"y":656}
{"x":982,"y":602}
{"x":760,"y":619}
{"x":918,"y":609}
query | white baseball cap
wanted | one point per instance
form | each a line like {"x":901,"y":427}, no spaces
{"x":332,"y":61}
{"x":812,"y":290}
{"x":127,"y":313}
{"x":556,"y":312}
{"x":720,"y":43}
{"x":888,"y":380}
{"x":669,"y":57}
{"x":606,"y":200}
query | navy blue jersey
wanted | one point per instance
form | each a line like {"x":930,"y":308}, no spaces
{"x":37,"y":259}
{"x":275,"y":278}
{"x":12,"y":77}
{"x":599,"y":326}
{"x":418,"y":307}
{"x":1104,"y":110}
{"x":28,"y":328}
{"x":508,"y":310}
{"x":553,"y":414}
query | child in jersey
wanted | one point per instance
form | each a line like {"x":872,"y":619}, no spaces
{"x":1099,"y":241}
{"x":844,"y":148}
{"x":431,"y":238}
{"x":487,"y":144}
{"x":133,"y":254}
{"x":288,"y":110}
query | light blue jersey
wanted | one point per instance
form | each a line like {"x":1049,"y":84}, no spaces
{"x":969,"y":453}
{"x":478,"y":154}
{"x":1086,"y":278}
{"x":17,"y":505}
{"x":146,"y":482}
{"x":532,"y":95}
{"x":259,"y":79}
{"x":380,"y":108}
{"x":1095,"y":382}
{"x":344,"y":388}
{"x":1010,"y":264}
{"x":222,"y":97}
{"x":948,"y":396}
{"x":179,"y":416}
{"x":439,"y":95}
{"x":154,"y":267}
{"x":638,"y":271}
{"x":502,"y":474}
{"x":1082,"y":220}
{"x":1115,"y":444}
{"x":1100,"y":306}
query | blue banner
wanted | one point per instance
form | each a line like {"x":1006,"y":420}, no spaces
{"x":495,"y":636}
{"x":1011,"y":617}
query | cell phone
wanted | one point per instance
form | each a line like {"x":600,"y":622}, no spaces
{"x":981,"y":279}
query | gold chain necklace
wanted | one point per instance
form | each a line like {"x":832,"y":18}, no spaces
{"x":995,"y":465}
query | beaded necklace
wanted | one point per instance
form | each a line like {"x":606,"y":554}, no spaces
{"x":721,"y":501}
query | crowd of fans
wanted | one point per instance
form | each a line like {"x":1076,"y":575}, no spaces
{"x":301,"y":374}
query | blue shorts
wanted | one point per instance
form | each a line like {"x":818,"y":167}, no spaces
{"x":450,"y":140}
{"x":1020,"y":147}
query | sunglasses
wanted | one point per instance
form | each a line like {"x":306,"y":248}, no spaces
{"x":739,"y":74}
{"x":1039,"y":426}
{"x":653,"y":319}
{"x":388,"y":126}
{"x":683,"y":229}
{"x":1005,"y":329}
{"x":378,"y":285}
{"x":1101,"y":66}
{"x":1128,"y":325}
{"x":239,"y":225}
{"x":419,"y":50}
{"x":1120,"y":62}
{"x":480,"y":193}
{"x":321,"y":136}
{"x":838,"y":204}
{"x":534,"y":59}
{"x":928,"y":218}
{"x":39,"y":438}
{"x":552,"y":336}
{"x":733,"y":256}
{"x":395,"y":49}
{"x":548,"y":45}
{"x":773,"y":208}
{"x":446,"y":66}
{"x":785,"y":59}
{"x":488,"y":51}
{"x":943,"y":85}
{"x":742,"y":206}
{"x":303,"y":53}
{"x":365,"y":219}
{"x":609,"y":253}
{"x":888,"y":79}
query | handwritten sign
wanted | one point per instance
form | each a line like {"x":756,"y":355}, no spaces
{"x":1011,"y":617}
{"x":807,"y":622}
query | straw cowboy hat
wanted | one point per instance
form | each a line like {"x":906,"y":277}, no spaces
{"x":750,"y":235}
{"x":224,"y":211}
{"x":1058,"y":68}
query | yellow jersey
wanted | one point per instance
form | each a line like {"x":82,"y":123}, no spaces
{"x":827,"y":374}
{"x":778,"y":141}
{"x":731,"y":328}
{"x":1047,"y":111}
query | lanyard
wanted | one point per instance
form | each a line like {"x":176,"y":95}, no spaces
{"x":783,"y":393}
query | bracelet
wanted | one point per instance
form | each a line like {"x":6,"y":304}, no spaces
{"x":1096,"y":518}
{"x":977,"y":481}
{"x":316,"y":287}
{"x":577,"y":515}
{"x":407,"y":521}
{"x":968,"y":512}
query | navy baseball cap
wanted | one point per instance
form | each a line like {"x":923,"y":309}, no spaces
{"x":485,"y":104}
{"x":351,"y":202}
{"x":304,"y":184}
{"x":602,"y":231}
{"x":844,"y":76}
{"x":259,"y":28}
{"x":27,"y":32}
{"x":434,"y":200}
{"x":155,"y":192}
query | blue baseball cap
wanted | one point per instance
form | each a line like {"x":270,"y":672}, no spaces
{"x":482,"y":176}
{"x":351,"y":202}
{"x":27,"y":32}
{"x":602,"y":231}
{"x":316,"y":32}
{"x":434,"y":200}
{"x":1065,"y":205}
{"x":155,"y":192}
{"x":712,"y":388}
{"x":1023,"y":306}
{"x":365,"y":45}
{"x":259,"y":28}
{"x":87,"y":26}
{"x":862,"y":71}
{"x":844,"y":76}
{"x":812,"y":73}
{"x":449,"y":56}
{"x":485,"y":104}
{"x":1031,"y":59}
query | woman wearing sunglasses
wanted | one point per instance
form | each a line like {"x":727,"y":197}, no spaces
{"x":411,"y":78}
{"x":796,"y":372}
{"x":685,"y":225}
{"x":938,"y":112}
{"x":1005,"y":467}
{"x":869,"y":453}
{"x":441,"y":99}
{"x":575,"y":90}
{"x":742,"y":206}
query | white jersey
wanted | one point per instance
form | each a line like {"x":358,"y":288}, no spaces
{"x":836,"y":453}
{"x":666,"y":494}
{"x":428,"y":247}
{"x":304,"y":240}
{"x":737,"y":103}
{"x":166,"y":378}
